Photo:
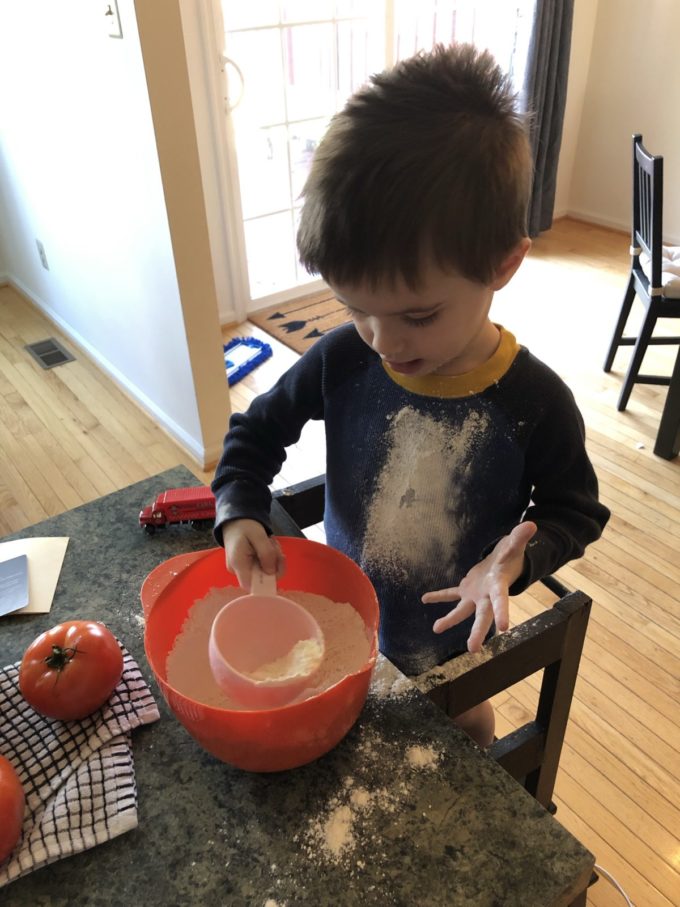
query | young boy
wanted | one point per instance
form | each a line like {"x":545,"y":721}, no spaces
{"x":456,"y":469}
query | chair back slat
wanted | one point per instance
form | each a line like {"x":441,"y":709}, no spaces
{"x":648,"y":206}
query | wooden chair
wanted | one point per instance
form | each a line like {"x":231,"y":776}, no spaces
{"x":552,"y":641}
{"x":654,"y":274}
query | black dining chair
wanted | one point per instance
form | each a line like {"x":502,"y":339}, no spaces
{"x":654,"y":273}
{"x":551,"y":641}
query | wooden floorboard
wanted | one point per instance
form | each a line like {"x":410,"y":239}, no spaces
{"x":71,"y":434}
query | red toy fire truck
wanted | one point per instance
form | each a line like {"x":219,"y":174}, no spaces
{"x":180,"y":505}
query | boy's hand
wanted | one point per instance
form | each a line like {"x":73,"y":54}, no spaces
{"x":246,"y":543}
{"x":484,"y":589}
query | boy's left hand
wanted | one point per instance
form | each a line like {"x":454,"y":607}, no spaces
{"x":484,"y":589}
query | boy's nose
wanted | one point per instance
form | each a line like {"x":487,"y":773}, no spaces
{"x":386,"y":341}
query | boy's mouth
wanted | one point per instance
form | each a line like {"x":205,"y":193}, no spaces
{"x":405,"y":368}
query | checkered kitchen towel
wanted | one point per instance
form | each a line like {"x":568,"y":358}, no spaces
{"x":78,"y":776}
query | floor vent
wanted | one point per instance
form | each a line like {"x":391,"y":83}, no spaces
{"x":49,"y":353}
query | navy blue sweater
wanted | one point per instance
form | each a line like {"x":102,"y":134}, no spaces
{"x":423,"y":475}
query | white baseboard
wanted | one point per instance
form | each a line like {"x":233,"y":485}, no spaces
{"x":590,"y":218}
{"x":204,"y":458}
{"x":620,"y":226}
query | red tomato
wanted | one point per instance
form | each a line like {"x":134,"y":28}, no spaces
{"x":12,"y":802}
{"x":71,"y":670}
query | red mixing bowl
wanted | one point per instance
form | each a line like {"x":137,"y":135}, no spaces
{"x":275,"y":739}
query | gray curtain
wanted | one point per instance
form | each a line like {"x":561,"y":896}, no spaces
{"x":544,"y":95}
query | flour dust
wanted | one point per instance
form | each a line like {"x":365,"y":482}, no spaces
{"x":416,"y":515}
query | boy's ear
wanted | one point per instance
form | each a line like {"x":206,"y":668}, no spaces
{"x":510,"y":264}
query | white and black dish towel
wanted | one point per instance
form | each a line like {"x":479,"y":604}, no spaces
{"x":78,"y":776}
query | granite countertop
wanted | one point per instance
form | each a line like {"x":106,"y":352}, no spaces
{"x":405,"y":810}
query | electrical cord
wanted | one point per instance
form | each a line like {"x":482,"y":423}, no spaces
{"x":610,"y":878}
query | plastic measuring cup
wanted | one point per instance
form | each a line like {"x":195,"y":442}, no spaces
{"x":264,"y":649}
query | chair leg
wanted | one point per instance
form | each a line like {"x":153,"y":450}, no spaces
{"x":668,"y":435}
{"x":639,"y":351}
{"x":626,"y":305}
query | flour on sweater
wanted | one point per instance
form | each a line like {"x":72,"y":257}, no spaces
{"x":416,"y":515}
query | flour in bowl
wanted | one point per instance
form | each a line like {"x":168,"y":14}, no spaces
{"x":301,"y":659}
{"x":347,"y":646}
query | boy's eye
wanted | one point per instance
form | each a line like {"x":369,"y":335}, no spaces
{"x":420,"y":322}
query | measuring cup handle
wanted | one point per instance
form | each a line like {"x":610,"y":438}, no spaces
{"x":262,"y":583}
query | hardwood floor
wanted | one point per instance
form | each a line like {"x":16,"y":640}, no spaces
{"x":69,"y":435}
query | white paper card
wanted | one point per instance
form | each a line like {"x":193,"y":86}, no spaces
{"x":13,"y":584}
{"x":45,"y":557}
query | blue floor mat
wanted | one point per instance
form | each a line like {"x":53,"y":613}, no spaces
{"x":242,"y":355}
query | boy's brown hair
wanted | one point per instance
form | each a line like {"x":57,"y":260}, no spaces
{"x":429,"y":161}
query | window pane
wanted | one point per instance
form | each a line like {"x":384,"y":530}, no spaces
{"x":237,"y":14}
{"x":304,"y":138}
{"x":360,"y":8}
{"x":310,"y":70}
{"x":263,"y":101}
{"x":306,"y":10}
{"x":263,"y":170}
{"x":300,"y":60}
{"x":497,"y":25}
{"x":270,"y":248}
{"x":302,"y":275}
{"x":361,"y":52}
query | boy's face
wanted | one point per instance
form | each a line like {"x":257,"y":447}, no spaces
{"x":443,"y":328}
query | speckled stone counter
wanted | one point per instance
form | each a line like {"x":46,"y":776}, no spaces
{"x":405,"y":810}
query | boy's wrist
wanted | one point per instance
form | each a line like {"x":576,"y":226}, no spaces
{"x":533,"y":567}
{"x":520,"y":583}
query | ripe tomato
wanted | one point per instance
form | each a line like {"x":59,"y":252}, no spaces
{"x":12,"y":802}
{"x":71,"y":670}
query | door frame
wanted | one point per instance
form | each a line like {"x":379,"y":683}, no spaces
{"x":201,"y":25}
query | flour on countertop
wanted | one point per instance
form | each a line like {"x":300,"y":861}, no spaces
{"x":415,"y":516}
{"x":347,"y":646}
{"x":334,"y":832}
{"x":350,"y":822}
{"x":422,"y":756}
{"x":388,"y":682}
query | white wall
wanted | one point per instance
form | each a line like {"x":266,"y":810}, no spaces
{"x":633,"y":85}
{"x":79,"y":170}
{"x":4,"y":236}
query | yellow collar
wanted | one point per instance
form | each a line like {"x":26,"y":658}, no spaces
{"x":473,"y":382}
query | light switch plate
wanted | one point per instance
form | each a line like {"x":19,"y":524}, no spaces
{"x":112,"y":17}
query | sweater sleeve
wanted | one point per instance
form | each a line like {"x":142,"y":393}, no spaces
{"x":255,"y":445}
{"x":564,"y":503}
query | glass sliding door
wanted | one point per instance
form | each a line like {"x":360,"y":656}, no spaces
{"x":290,"y":66}
{"x":501,"y":26}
